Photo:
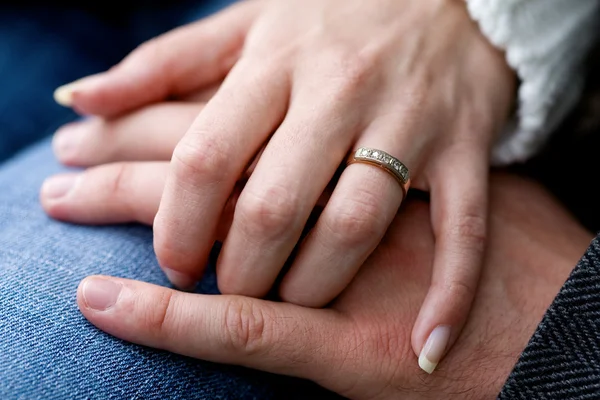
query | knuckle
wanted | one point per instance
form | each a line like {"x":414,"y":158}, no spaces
{"x":245,"y":327}
{"x":474,"y":118}
{"x":356,"y":220}
{"x":206,"y":163}
{"x":470,"y":230}
{"x":144,"y":55}
{"x":154,"y":57}
{"x":272,"y":212}
{"x":417,"y":92}
{"x":100,"y":150}
{"x":466,"y":144}
{"x":461,"y":289}
{"x":147,"y":50}
{"x":261,"y":77}
{"x":161,"y":315}
{"x":259,"y":70}
{"x":150,"y":54}
{"x":457,"y":291}
{"x":119,"y":182}
{"x":351,"y":70}
{"x":478,"y":121}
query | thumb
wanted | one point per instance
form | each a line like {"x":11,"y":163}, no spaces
{"x":176,"y":63}
{"x":275,"y":337}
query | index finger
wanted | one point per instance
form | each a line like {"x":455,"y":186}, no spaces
{"x":208,"y":162}
{"x":273,"y":337}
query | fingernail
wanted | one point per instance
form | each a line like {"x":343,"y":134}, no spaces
{"x":67,"y":139}
{"x":58,"y":186}
{"x":180,"y":280}
{"x":63,"y":95}
{"x":434,"y":348}
{"x":101,"y":294}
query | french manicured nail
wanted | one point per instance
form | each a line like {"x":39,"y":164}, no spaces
{"x":434,"y":348}
{"x":180,"y":280}
{"x":58,"y":186}
{"x":101,"y":294}
{"x":64,"y":94}
{"x":67,"y":139}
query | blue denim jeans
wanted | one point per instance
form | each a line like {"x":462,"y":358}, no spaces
{"x":47,"y":349}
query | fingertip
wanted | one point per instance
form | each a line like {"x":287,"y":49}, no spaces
{"x":60,"y":199}
{"x":81,"y":303}
{"x":79,"y":295}
{"x":63,"y":95}
{"x":98,"y":293}
{"x":435,"y":348}
{"x":442,"y":317}
{"x":96,"y":94}
{"x":106,"y":302}
{"x":184,"y":276}
{"x":66,"y":143}
{"x":66,"y":95}
{"x":57,"y":188}
{"x":425,"y":364}
{"x":419,"y":334}
{"x":180,"y":280}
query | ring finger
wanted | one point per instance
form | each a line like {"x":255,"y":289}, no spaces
{"x":353,"y":223}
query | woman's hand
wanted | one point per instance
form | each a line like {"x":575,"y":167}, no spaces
{"x":315,"y":81}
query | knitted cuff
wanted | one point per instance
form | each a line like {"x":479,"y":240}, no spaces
{"x":545,"y":42}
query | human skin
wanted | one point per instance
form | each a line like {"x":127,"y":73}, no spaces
{"x":307,"y":83}
{"x":358,"y":345}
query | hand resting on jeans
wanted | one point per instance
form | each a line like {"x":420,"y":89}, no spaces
{"x":358,"y":345}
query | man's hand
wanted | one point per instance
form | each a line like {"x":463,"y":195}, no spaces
{"x":359,"y":346}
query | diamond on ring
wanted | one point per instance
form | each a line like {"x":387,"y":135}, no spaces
{"x":384,"y":161}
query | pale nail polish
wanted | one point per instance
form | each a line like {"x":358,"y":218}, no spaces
{"x":434,"y":348}
{"x":64,"y":94}
{"x":101,"y":294}
{"x":58,"y":186}
{"x":180,"y":280}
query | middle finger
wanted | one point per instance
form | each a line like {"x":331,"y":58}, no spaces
{"x":292,"y":173}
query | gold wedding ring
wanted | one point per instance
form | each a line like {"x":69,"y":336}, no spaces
{"x":385,"y":161}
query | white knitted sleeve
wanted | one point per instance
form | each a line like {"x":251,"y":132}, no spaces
{"x":545,"y":43}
